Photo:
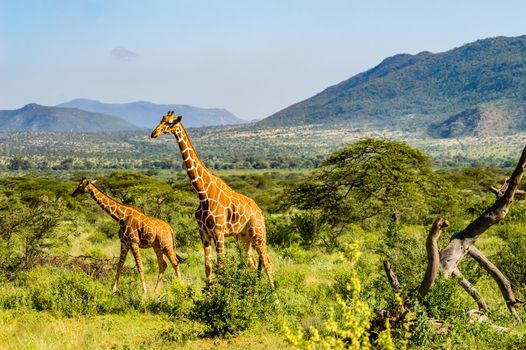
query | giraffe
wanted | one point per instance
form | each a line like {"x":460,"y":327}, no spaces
{"x":137,"y":231}
{"x":222,"y":212}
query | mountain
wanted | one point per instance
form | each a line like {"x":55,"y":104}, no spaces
{"x":479,"y":121}
{"x":34,"y":117}
{"x":147,"y":114}
{"x":413,"y":92}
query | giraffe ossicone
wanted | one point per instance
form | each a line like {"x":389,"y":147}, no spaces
{"x":137,"y":231}
{"x":222,"y":211}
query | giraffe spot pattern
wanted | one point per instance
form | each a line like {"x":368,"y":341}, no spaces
{"x":222,"y":211}
{"x":137,"y":231}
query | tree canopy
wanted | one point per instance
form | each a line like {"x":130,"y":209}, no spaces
{"x":369,"y":180}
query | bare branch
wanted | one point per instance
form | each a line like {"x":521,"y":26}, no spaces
{"x":472,"y":291}
{"x":433,"y":258}
{"x":391,"y":277}
{"x":503,"y":283}
{"x":500,"y":192}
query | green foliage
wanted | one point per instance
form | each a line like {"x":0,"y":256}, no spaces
{"x":348,"y":326}
{"x":310,"y":227}
{"x":34,"y":222}
{"x":185,"y":229}
{"x":280,"y":232}
{"x":237,"y":302}
{"x":175,"y":300}
{"x":64,"y":293}
{"x":233,"y":300}
{"x":371,"y":181}
{"x":511,"y":262}
{"x":444,"y":301}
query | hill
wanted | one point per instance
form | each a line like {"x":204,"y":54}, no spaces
{"x":411,"y":92}
{"x":479,"y":122}
{"x":147,"y":114}
{"x":34,"y":117}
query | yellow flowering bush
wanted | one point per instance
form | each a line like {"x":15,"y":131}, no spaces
{"x":350,"y":329}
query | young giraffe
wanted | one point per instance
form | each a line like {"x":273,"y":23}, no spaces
{"x":137,"y":231}
{"x":222,"y":211}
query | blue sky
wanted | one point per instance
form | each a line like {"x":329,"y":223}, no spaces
{"x":251,"y":57}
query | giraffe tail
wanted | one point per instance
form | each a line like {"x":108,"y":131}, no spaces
{"x":181,"y":260}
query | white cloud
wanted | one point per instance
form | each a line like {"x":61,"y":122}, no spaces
{"x":121,"y":53}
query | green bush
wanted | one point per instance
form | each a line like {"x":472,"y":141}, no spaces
{"x":280,"y":232}
{"x":510,"y":260}
{"x":186,"y":232}
{"x":176,"y":300}
{"x":65,"y":293}
{"x":444,"y":300}
{"x":309,"y":225}
{"x":233,"y":300}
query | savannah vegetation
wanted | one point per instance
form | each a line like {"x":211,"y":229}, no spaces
{"x":230,"y":147}
{"x":329,"y":230}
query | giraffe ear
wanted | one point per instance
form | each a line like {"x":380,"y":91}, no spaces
{"x":93,"y":181}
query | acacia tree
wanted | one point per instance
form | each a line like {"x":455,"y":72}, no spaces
{"x":31,"y":226}
{"x":371,"y":181}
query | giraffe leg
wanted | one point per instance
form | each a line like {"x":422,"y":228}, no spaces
{"x":258,"y":235}
{"x":219,"y":238}
{"x":137,"y":255}
{"x":162,"y":266}
{"x":244,"y":239}
{"x":169,"y":252}
{"x":205,"y":239}
{"x":120,"y":264}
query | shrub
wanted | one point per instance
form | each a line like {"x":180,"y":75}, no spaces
{"x":186,"y":232}
{"x":347,"y":327}
{"x":511,"y":262}
{"x":280,"y":231}
{"x":175,"y":300}
{"x":234,"y":300}
{"x":67,"y":293}
{"x":309,"y":225}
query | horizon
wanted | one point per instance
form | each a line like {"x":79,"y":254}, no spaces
{"x":122,"y":52}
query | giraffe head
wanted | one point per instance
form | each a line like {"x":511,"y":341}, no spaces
{"x":82,"y":187}
{"x":168,"y":124}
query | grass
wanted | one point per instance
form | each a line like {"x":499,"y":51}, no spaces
{"x":42,"y":330}
{"x":134,"y":330}
{"x":303,"y":294}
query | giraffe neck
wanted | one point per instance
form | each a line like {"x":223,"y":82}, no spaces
{"x":198,"y":173}
{"x":108,"y":204}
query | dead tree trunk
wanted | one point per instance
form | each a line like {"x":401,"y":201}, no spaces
{"x":461,"y":242}
{"x":433,"y":266}
{"x":433,"y":257}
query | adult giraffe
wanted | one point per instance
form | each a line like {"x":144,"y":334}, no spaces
{"x":137,"y":231}
{"x":222,"y":211}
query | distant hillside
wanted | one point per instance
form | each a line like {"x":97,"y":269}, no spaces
{"x":34,"y":117}
{"x":147,"y":114}
{"x":413,"y":91}
{"x":479,"y":121}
